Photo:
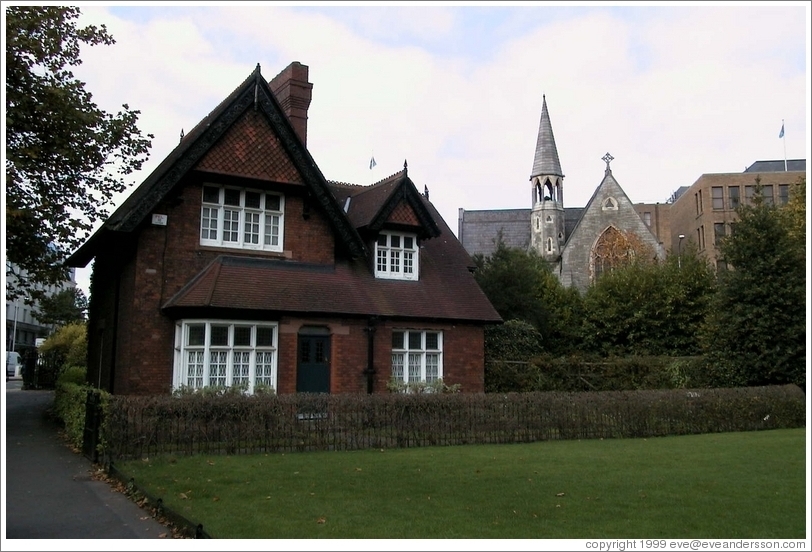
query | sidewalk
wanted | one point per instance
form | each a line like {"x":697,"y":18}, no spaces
{"x":49,"y":492}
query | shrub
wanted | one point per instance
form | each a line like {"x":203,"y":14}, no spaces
{"x":143,"y":426}
{"x":70,"y":398}
{"x":69,"y":342}
{"x":590,"y":372}
{"x":437,"y":386}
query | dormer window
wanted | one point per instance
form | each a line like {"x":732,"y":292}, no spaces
{"x":241,"y":218}
{"x":396,"y":256}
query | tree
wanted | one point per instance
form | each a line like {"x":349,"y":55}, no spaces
{"x":521,"y":286}
{"x":756,"y":333}
{"x":647,"y":308}
{"x":795,"y":212}
{"x":65,"y":157}
{"x":617,"y":248}
{"x":62,"y":308}
{"x":68,"y":342}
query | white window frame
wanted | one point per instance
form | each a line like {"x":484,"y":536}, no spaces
{"x":203,"y":360}
{"x":411,"y":363}
{"x":266,"y":224}
{"x":394,"y":260}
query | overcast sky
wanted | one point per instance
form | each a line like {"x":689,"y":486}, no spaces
{"x":671,"y":91}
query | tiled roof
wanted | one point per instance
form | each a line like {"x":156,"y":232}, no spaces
{"x":393,"y":200}
{"x":446,"y":289}
{"x":213,"y":132}
{"x":251,"y":149}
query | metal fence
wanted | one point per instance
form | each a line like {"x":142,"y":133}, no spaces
{"x":40,"y":371}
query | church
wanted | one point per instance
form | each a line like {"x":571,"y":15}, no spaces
{"x":579,"y":243}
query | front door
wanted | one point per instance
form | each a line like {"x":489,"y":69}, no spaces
{"x":313,"y":372}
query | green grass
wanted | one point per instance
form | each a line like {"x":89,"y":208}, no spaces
{"x":714,"y":486}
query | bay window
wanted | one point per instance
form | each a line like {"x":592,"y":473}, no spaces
{"x":217,"y":353}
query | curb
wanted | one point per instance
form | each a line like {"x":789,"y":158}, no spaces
{"x":186,"y":527}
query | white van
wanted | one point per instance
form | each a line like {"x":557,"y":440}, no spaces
{"x":12,"y":364}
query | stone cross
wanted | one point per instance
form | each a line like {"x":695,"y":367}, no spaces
{"x":608,"y":158}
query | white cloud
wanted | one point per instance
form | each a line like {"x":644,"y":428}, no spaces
{"x":671,"y":91}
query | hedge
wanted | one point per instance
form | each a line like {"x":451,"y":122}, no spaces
{"x":138,"y":426}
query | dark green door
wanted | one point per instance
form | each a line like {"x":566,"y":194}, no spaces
{"x":313,"y":373}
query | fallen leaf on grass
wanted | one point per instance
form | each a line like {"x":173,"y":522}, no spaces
{"x":321,"y":520}
{"x":559,"y":494}
{"x":183,"y":496}
{"x":162,"y":536}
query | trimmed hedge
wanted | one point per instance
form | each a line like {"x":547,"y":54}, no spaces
{"x":70,"y":396}
{"x":594,"y":373}
{"x":137,"y":426}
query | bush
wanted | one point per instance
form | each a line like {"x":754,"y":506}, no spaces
{"x":70,"y":397}
{"x":590,"y":372}
{"x":437,"y":386}
{"x":145,"y":426}
{"x":69,"y":342}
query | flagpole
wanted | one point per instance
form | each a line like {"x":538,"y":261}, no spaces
{"x":784,"y":138}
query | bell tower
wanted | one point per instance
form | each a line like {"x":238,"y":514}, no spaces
{"x":547,"y":185}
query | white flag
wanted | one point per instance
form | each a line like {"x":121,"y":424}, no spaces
{"x":372,"y":162}
{"x":781,"y":134}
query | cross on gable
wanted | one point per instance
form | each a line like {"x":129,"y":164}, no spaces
{"x":608,"y":158}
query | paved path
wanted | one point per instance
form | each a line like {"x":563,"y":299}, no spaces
{"x":49,"y":492}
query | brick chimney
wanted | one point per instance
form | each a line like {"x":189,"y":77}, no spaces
{"x":293,"y":93}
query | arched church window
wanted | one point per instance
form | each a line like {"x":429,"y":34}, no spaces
{"x":612,"y":249}
{"x":549,"y":245}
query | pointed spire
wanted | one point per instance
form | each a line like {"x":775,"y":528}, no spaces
{"x":546,"y":159}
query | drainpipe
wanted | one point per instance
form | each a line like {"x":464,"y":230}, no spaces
{"x":369,"y":372}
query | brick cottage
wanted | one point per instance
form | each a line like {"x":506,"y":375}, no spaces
{"x":237,"y":263}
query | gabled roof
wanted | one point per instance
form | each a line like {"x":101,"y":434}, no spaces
{"x":253,"y":93}
{"x":546,"y":160}
{"x":393,"y":200}
{"x":445,"y":291}
{"x":608,"y":180}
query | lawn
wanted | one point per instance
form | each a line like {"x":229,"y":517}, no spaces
{"x":713,"y":486}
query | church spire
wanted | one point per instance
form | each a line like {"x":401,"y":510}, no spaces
{"x":546,"y":160}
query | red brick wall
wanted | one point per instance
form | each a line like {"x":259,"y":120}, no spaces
{"x":463,"y":354}
{"x":167,"y":258}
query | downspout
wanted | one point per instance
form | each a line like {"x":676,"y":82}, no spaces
{"x":114,"y":337}
{"x":369,"y":372}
